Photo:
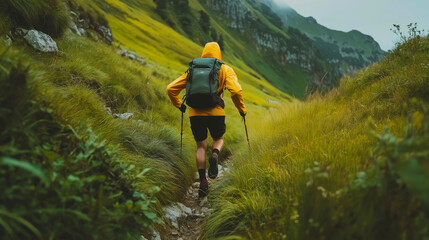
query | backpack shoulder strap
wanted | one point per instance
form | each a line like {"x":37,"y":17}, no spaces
{"x":189,"y":71}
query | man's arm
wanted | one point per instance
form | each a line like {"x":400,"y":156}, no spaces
{"x":234,"y":87}
{"x":174,"y":89}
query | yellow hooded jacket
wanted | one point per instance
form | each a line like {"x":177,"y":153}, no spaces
{"x":227,"y":77}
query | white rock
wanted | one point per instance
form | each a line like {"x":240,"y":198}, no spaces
{"x":74,"y":28}
{"x":131,"y":55}
{"x":41,"y":41}
{"x":155,"y":235}
{"x":140,"y":59}
{"x":82,"y":32}
{"x":205,"y":210}
{"x":107,"y":33}
{"x":123,"y":115}
{"x":196,"y":185}
{"x":185,"y":209}
{"x":123,"y":52}
{"x":176,"y":211}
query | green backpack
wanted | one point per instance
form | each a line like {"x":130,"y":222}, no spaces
{"x":202,"y":83}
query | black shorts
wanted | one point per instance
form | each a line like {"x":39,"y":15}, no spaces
{"x":215,"y":124}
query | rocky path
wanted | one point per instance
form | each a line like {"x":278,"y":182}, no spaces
{"x":187,"y":217}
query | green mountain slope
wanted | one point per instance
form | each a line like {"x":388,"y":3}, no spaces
{"x":283,"y":58}
{"x":349,"y":51}
{"x":349,"y":165}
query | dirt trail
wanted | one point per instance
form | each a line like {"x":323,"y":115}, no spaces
{"x":190,"y":227}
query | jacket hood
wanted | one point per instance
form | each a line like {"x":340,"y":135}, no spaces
{"x":212,"y":49}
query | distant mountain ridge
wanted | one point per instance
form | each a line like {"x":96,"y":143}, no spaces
{"x":347,"y":50}
{"x":286,"y":39}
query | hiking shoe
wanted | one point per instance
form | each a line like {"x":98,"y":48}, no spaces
{"x":204,"y":188}
{"x":213,"y":171}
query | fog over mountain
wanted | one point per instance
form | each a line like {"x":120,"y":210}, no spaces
{"x":370,"y":17}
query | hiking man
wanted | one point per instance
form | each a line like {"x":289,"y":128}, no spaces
{"x":204,"y":82}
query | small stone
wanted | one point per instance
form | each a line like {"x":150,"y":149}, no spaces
{"x":196,"y":185}
{"x":199,"y":215}
{"x":81,"y":31}
{"x":74,"y":28}
{"x":107,"y":34}
{"x":185,"y":209}
{"x":140,"y":59}
{"x":205,"y":210}
{"x":40,"y":41}
{"x":131,"y":55}
{"x":174,"y":233}
{"x":125,"y":116}
{"x":176,"y":211}
{"x":180,"y":239}
{"x":155,"y":235}
{"x":123,"y":52}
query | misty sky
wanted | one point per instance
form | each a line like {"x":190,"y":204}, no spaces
{"x":372,"y":17}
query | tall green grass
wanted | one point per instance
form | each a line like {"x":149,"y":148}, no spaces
{"x":325,"y":169}
{"x":78,"y":89}
{"x":60,"y":182}
{"x":48,"y":16}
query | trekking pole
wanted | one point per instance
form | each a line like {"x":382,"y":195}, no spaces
{"x":247,"y":135}
{"x":181,"y":135}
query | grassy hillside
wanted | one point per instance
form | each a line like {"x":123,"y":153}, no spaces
{"x":348,"y":165}
{"x":61,"y":148}
{"x":268,"y":62}
{"x":135,"y":29}
{"x":71,"y":170}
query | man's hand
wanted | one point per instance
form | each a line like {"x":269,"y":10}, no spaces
{"x":182,"y":108}
{"x":242,"y":114}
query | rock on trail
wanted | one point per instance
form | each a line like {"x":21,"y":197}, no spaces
{"x":187,"y":217}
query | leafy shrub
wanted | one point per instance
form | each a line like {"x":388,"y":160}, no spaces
{"x":59,"y":183}
{"x":48,"y":16}
{"x":399,"y":178}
